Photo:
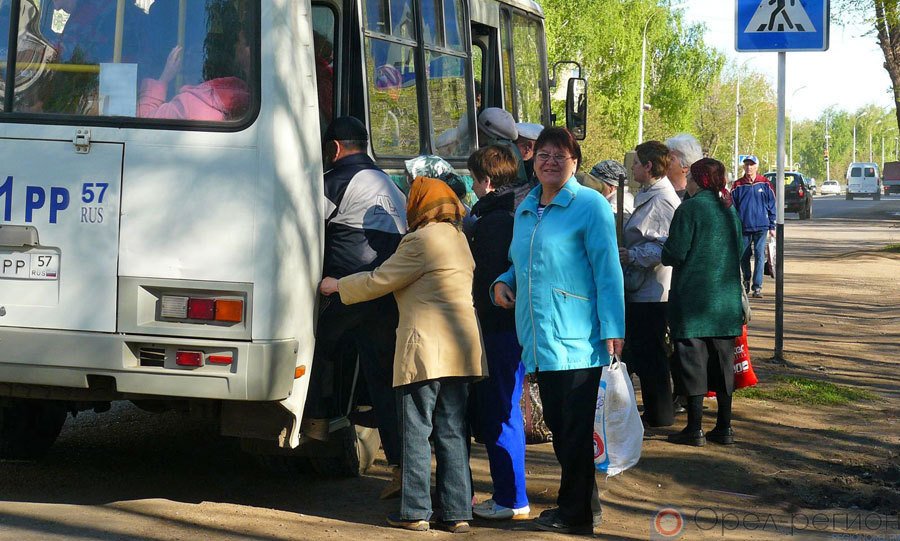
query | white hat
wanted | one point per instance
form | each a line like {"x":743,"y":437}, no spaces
{"x":529,"y":130}
{"x":498,"y":123}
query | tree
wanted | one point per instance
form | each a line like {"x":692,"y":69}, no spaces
{"x":885,"y":17}
{"x":679,"y":68}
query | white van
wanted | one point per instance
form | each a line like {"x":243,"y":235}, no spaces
{"x":863,"y":179}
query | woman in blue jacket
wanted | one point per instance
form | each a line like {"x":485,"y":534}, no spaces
{"x":566,"y":285}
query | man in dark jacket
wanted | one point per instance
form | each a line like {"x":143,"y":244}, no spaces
{"x":365,"y":221}
{"x":754,"y":201}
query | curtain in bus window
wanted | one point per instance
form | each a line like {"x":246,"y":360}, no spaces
{"x":376,"y":15}
{"x":403,"y":22}
{"x":451,"y":132}
{"x":506,"y":47}
{"x":529,"y":75}
{"x":173,"y":59}
{"x":324,"y":30}
{"x":393,"y":103}
{"x":454,"y":21}
{"x":431,"y":31}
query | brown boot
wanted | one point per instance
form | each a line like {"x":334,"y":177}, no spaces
{"x":392,"y":490}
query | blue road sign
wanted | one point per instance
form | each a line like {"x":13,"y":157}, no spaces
{"x":782,"y":25}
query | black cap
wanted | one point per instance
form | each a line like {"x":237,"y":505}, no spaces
{"x":346,"y":128}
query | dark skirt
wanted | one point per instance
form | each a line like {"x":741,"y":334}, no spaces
{"x":706,"y":364}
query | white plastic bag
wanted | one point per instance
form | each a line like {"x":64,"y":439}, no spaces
{"x":618,"y":431}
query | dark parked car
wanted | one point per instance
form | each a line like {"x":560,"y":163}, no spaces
{"x":797,"y":194}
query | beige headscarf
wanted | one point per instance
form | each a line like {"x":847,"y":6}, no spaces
{"x":431,"y":200}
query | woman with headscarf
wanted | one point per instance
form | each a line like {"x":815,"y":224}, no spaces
{"x":439,"y":351}
{"x":705,"y":315}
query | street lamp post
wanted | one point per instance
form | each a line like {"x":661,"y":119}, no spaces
{"x":792,"y":127}
{"x":871,"y":156}
{"x":855,"y":120}
{"x":643,"y":71}
{"x":827,"y":156}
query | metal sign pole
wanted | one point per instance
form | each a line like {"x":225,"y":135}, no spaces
{"x":779,"y":220}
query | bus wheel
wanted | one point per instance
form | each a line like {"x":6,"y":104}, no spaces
{"x":353,"y":452}
{"x":29,"y":427}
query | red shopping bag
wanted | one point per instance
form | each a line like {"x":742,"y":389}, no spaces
{"x":743,"y":370}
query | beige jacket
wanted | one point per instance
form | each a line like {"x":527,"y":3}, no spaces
{"x":430,"y":274}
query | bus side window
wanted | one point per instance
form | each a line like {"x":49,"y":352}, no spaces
{"x":527,"y":44}
{"x":325,"y":27}
{"x":128,"y":59}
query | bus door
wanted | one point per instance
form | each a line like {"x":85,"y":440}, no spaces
{"x":59,"y":198}
{"x":59,"y":234}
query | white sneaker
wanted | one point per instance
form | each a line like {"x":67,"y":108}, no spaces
{"x":491,"y":510}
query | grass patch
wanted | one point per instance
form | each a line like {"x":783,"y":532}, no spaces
{"x":892,"y":248}
{"x":806,"y":391}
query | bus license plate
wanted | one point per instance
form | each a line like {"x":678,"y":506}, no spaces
{"x":29,"y":266}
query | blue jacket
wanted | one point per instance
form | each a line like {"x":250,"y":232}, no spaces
{"x":568,"y":281}
{"x":755,"y":203}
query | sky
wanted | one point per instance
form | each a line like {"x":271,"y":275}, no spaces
{"x":849,"y":75}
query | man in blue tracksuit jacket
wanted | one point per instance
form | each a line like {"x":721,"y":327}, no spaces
{"x":754,"y":200}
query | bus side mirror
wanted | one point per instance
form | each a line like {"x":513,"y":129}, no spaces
{"x":576,"y":107}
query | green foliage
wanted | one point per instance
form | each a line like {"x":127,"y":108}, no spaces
{"x":605,"y":36}
{"x":806,"y":391}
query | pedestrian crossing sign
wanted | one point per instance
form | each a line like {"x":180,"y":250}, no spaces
{"x":782,"y":25}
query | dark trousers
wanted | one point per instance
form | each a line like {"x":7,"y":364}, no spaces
{"x":755,"y":246}
{"x":436,"y":408}
{"x":371,"y":327}
{"x":646,"y":355}
{"x":569,"y":398}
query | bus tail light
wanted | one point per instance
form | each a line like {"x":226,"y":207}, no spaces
{"x":202,"y":308}
{"x":219,"y":359}
{"x":189,"y":358}
{"x":229,"y":310}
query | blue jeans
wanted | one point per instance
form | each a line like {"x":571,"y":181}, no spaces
{"x":437,"y":408}
{"x":757,"y":242}
{"x":500,"y":418}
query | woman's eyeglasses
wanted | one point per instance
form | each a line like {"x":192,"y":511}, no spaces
{"x":546,"y":157}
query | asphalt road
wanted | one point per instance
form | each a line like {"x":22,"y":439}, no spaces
{"x":836,"y":206}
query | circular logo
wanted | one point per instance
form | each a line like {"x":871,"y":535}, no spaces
{"x":598,"y":446}
{"x":668,"y":522}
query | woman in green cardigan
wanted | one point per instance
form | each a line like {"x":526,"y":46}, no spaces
{"x":705,"y":315}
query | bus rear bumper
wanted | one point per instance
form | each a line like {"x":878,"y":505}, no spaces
{"x":93,"y":366}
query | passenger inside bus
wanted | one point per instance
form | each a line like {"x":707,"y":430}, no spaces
{"x":224,"y":94}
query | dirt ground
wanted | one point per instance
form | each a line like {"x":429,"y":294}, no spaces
{"x":798,"y":471}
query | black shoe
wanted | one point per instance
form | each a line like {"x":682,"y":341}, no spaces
{"x":721,"y":436}
{"x":456,"y":526}
{"x":685,"y":437}
{"x":747,"y":287}
{"x":677,"y":408}
{"x":416,"y":525}
{"x":551,"y":521}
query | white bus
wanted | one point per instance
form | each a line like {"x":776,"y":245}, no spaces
{"x":161,"y":200}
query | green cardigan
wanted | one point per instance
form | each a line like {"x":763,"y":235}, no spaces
{"x":704,"y":248}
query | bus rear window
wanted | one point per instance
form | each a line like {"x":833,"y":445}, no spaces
{"x":855,"y":172}
{"x":870,"y":172}
{"x":190,"y":61}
